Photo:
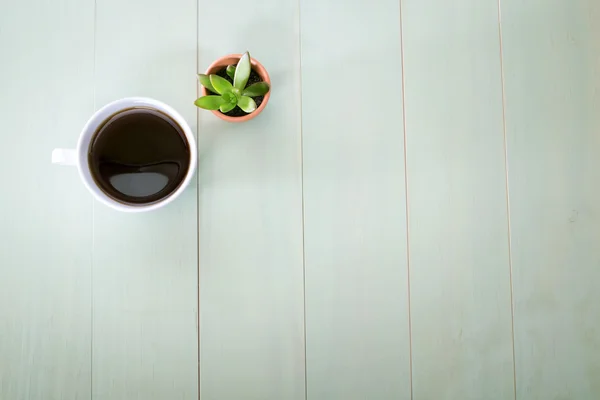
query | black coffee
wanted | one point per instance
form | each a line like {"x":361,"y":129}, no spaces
{"x":139,"y":156}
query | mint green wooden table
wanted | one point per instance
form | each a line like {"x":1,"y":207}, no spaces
{"x":416,"y":214}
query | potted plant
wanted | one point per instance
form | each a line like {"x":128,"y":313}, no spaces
{"x":236,"y":88}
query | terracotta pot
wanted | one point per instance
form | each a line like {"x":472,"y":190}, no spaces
{"x":223,"y":62}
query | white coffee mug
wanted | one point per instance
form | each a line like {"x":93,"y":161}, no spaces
{"x":79,"y":157}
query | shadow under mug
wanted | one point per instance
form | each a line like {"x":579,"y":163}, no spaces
{"x":78,"y":157}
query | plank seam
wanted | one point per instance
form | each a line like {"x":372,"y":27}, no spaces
{"x":509,"y":238}
{"x":302,"y":196}
{"x":93,"y":216}
{"x":410,"y":356}
{"x":198,"y":194}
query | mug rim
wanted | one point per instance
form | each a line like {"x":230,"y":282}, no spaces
{"x":99,"y":117}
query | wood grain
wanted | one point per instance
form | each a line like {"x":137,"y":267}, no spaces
{"x":355,"y":212}
{"x":45,"y":218}
{"x":145,"y":265}
{"x":458,"y":226}
{"x":250,"y":215}
{"x":552,"y":74}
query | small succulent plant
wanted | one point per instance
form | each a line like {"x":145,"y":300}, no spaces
{"x":231,"y":95}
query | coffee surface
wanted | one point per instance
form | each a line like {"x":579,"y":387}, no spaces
{"x":139,"y":156}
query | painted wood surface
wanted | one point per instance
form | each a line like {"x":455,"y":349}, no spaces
{"x":46,"y":96}
{"x":458,"y":231}
{"x":323,"y":274}
{"x":250,"y":214}
{"x":355,"y":215}
{"x":145,"y":265}
{"x":552,"y":80}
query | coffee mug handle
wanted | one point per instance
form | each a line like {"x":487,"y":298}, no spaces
{"x":64,"y":156}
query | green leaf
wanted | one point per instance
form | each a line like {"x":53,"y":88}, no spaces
{"x":210,"y":102}
{"x":225,"y":108}
{"x":242,"y":72}
{"x":205,"y":81}
{"x":256,"y":89}
{"x":221,"y":85}
{"x":230,"y":98}
{"x":247,"y":104}
{"x":231,"y":71}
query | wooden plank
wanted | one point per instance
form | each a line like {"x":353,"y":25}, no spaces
{"x":458,"y":223}
{"x":251,"y":276}
{"x":45,"y":222}
{"x":552,"y":81}
{"x":145,"y":265}
{"x":357,"y":336}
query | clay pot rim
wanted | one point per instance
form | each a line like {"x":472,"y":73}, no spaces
{"x":256,"y":66}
